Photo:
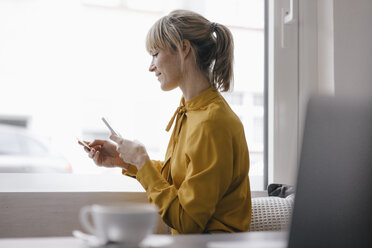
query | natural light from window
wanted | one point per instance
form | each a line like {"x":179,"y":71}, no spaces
{"x":66,"y":63}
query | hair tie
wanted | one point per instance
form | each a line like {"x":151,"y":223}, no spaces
{"x":213,"y":26}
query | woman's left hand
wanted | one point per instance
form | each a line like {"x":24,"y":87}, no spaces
{"x":131,"y":152}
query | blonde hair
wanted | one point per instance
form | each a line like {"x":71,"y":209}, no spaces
{"x":211,"y":43}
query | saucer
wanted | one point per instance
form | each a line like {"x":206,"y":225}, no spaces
{"x":93,"y":241}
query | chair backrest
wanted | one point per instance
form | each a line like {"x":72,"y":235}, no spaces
{"x":271,"y":213}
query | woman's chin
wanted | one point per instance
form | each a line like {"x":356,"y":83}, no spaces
{"x":166,"y":87}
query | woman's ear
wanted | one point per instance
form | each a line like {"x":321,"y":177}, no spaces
{"x":186,"y":47}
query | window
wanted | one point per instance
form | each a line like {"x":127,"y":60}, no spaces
{"x":9,"y":144}
{"x":65,"y":64}
{"x":32,"y":147}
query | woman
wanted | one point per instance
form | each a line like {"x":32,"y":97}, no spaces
{"x":202,"y":186}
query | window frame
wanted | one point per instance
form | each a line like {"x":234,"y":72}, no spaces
{"x":292,"y":77}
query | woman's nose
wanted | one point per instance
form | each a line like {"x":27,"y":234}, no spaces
{"x":152,"y":66}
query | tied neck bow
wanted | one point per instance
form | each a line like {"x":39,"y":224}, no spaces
{"x":180,"y":113}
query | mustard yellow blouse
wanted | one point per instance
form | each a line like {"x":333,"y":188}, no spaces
{"x":203,"y":185}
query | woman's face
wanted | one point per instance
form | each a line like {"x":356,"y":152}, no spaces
{"x":166,"y":64}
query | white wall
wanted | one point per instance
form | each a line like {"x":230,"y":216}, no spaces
{"x":325,"y":36}
{"x":345,"y":47}
{"x":335,"y":53}
{"x":353,"y":47}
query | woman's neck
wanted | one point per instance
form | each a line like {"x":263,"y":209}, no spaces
{"x":194,"y":84}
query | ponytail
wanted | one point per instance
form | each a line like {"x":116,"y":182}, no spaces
{"x":222,"y":71}
{"x":211,"y":43}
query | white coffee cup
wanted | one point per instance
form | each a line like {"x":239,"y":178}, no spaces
{"x":126,"y":223}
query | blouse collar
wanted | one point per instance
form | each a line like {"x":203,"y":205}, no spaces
{"x":200,"y":100}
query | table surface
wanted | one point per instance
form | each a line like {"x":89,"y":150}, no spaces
{"x":236,"y":240}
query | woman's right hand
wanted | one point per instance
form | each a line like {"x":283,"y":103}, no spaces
{"x":104,"y":153}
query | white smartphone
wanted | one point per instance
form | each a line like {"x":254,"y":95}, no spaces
{"x":84,"y":144}
{"x":109,"y":127}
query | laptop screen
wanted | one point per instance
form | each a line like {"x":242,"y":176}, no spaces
{"x":333,"y":205}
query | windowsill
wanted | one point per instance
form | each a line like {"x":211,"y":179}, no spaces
{"x":29,"y":182}
{"x":18,"y":182}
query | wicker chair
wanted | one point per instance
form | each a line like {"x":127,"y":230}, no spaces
{"x":271,"y":213}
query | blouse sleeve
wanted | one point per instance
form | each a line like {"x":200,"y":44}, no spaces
{"x":132,"y":170}
{"x":209,"y":173}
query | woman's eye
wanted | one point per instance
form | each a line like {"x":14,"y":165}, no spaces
{"x":155,"y":54}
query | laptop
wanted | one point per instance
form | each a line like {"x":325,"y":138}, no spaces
{"x":333,"y":204}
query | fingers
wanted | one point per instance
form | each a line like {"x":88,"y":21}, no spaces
{"x":85,"y":144}
{"x":95,"y":155}
{"x":98,"y":142}
{"x":96,"y":158}
{"x":92,"y":152}
{"x":92,"y":147}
